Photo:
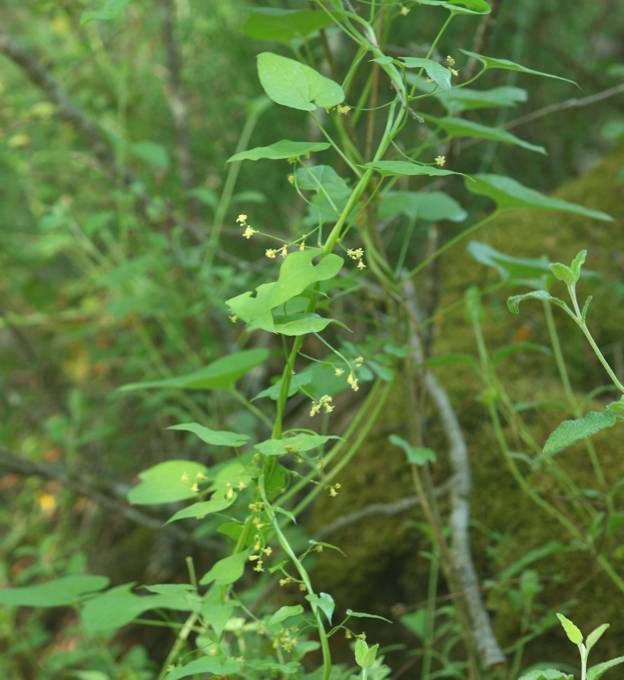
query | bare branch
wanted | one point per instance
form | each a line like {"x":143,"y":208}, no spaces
{"x":459,"y":521}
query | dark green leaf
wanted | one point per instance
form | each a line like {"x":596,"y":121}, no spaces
{"x":596,"y":672}
{"x":284,"y":25}
{"x":430,"y":206}
{"x":572,"y":431}
{"x":440,"y":75}
{"x":56,"y":593}
{"x":462,"y":99}
{"x":226,"y":571}
{"x":407,"y":169}
{"x":108,"y":10}
{"x":416,"y":455}
{"x":492,"y":63}
{"x":294,"y":444}
{"x":214,"y":437}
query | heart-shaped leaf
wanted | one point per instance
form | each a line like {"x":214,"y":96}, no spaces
{"x":290,"y":83}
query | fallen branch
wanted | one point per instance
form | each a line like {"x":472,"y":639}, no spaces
{"x":112,"y":498}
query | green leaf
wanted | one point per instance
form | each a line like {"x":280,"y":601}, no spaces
{"x":492,"y":63}
{"x":514,"y":302}
{"x":221,"y":374}
{"x":463,"y":99}
{"x":365,"y":615}
{"x":405,"y":168}
{"x":167,"y":482}
{"x":563,"y":273}
{"x":440,"y":75}
{"x":596,"y":672}
{"x":577,"y":264}
{"x":459,"y":127}
{"x":546,"y":674}
{"x":460,"y":6}
{"x":285,"y":148}
{"x":429,"y":206}
{"x":206,"y":664}
{"x":574,"y":634}
{"x":324,"y":602}
{"x":416,"y":455}
{"x":109,"y":10}
{"x":297,"y":381}
{"x":294,"y":444}
{"x":595,"y":635}
{"x":289,"y":83}
{"x":301,"y":324}
{"x":364,"y":655}
{"x":286,"y":612}
{"x":572,"y":431}
{"x":119,"y":606}
{"x":226,"y":571}
{"x":152,"y":153}
{"x":332,"y":193}
{"x":214,"y":437}
{"x":509,"y":267}
{"x":507,"y":193}
{"x":284,"y":25}
{"x":297,"y":272}
{"x":56,"y":593}
{"x":203,"y":508}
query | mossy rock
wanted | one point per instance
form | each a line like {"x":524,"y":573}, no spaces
{"x":384,"y":565}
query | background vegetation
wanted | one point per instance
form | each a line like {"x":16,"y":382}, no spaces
{"x":119,"y":245}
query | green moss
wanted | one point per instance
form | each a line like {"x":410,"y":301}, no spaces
{"x":383,"y":565}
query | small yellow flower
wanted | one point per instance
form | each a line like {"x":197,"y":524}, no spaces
{"x":259,"y":566}
{"x":333,"y":489}
{"x":249,"y":232}
{"x":450,"y":61}
{"x":267,"y":551}
{"x":271,"y":253}
{"x":358,"y":361}
{"x":404,"y":11}
{"x":361,"y":265}
{"x":343,"y":109}
{"x":184,"y":477}
{"x":195,"y":488}
{"x":302,"y":246}
{"x":440,"y":161}
{"x":242,"y":219}
{"x":241,"y":486}
{"x":324,"y":403}
{"x":355,"y":253}
{"x":291,"y":179}
{"x":233,"y":318}
{"x":283,"y":251}
{"x":338,"y":371}
{"x":454,"y":71}
{"x":353,"y":382}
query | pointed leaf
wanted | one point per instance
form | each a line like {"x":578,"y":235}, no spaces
{"x":571,"y":630}
{"x":416,"y":455}
{"x":285,"y":148}
{"x":203,"y":508}
{"x":460,"y":6}
{"x":221,"y":374}
{"x":596,"y":672}
{"x":286,"y":612}
{"x":294,"y":444}
{"x":462,"y":99}
{"x":595,"y":635}
{"x":56,"y":593}
{"x":440,"y":75}
{"x":514,"y":302}
{"x":405,"y":168}
{"x":289,"y":83}
{"x":459,"y":127}
{"x":507,"y":193}
{"x":509,"y":267}
{"x":365,"y":615}
{"x":324,"y":602}
{"x":572,"y":431}
{"x":207,"y":664}
{"x":214,"y":437}
{"x":492,"y":63}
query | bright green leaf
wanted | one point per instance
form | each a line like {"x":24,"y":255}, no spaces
{"x":213,"y":437}
{"x":290,"y":83}
{"x":463,"y":99}
{"x":284,"y":25}
{"x":572,"y":431}
{"x":562,"y":273}
{"x":572,"y":631}
{"x":324,"y":602}
{"x":595,"y":635}
{"x":286,"y":612}
{"x":203,"y":508}
{"x":365,"y":615}
{"x":226,"y":571}
{"x":56,"y":593}
{"x":221,"y":374}
{"x":596,"y":672}
{"x":297,"y":272}
{"x":167,"y":482}
{"x":285,"y":148}
{"x":508,"y":193}
{"x":460,"y":6}
{"x":300,"y":324}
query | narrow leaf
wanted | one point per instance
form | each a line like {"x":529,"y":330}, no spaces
{"x":214,"y":437}
{"x":572,"y":431}
{"x":56,"y":593}
{"x":285,"y":148}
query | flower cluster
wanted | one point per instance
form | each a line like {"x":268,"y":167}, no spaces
{"x":324,"y":403}
{"x":242,"y":221}
{"x":357,"y":254}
